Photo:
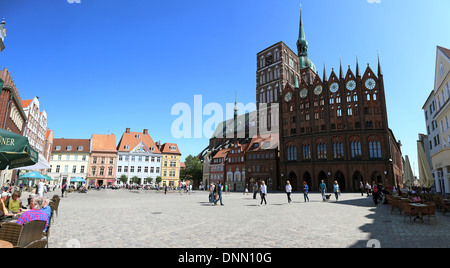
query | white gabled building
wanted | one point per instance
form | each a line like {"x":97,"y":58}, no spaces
{"x":138,"y":156}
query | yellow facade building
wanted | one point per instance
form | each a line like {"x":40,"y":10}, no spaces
{"x":170,"y":165}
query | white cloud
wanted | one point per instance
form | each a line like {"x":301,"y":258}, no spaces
{"x":374,"y":1}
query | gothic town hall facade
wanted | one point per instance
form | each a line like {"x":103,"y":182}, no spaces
{"x":332,"y":127}
{"x":320,"y":127}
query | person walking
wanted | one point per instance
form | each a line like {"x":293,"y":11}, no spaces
{"x":41,"y":188}
{"x":305,"y":191}
{"x":211,"y":193}
{"x":323,"y":188}
{"x":368,"y":188}
{"x":375,"y":193}
{"x":246,"y":189}
{"x":219,"y":193}
{"x":255,"y":189}
{"x":361,"y":188}
{"x":288,"y":191}
{"x":63,"y":188}
{"x":337,"y":192}
{"x":263,"y":193}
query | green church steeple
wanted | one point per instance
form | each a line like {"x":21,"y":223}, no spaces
{"x":302,"y":48}
{"x":302,"y":44}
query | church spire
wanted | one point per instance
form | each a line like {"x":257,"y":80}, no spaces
{"x":236,"y":109}
{"x":341,"y":73}
{"x":302,"y":44}
{"x":302,"y":48}
{"x":358,"y":74}
{"x":380,"y":72}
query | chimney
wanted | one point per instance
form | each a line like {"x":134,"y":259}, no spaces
{"x":145,"y":131}
{"x":127,"y":130}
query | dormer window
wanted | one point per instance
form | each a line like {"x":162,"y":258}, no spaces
{"x":127,"y":147}
{"x":173,"y":148}
{"x":58,"y":148}
{"x":138,"y":136}
{"x":80,"y":148}
{"x":69,"y":148}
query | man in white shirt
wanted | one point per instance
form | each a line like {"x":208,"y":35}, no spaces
{"x":263,"y":193}
{"x":288,"y":191}
{"x":41,"y":188}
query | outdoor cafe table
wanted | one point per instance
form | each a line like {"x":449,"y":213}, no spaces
{"x":5,"y":244}
{"x":420,"y":206}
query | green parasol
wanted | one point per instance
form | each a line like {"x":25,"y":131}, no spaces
{"x":15,"y":151}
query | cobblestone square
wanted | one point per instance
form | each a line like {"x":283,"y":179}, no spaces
{"x":147,"y":219}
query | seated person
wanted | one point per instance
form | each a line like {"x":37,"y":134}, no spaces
{"x":35,"y":213}
{"x":46,"y":208}
{"x":15,"y":206}
{"x":416,"y":198}
{"x":3,"y":210}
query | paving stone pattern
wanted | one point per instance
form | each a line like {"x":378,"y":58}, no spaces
{"x":147,"y":219}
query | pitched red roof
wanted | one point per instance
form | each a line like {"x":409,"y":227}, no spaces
{"x":25,"y":103}
{"x":445,"y":50}
{"x":132,"y":139}
{"x":170,"y":148}
{"x":100,"y":142}
{"x":222,"y":153}
{"x":77,"y":145}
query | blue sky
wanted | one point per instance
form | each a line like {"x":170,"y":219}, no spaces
{"x":101,"y":66}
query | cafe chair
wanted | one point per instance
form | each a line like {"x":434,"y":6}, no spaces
{"x":11,"y":232}
{"x":409,"y":211}
{"x":32,"y":231}
{"x":430,"y":210}
{"x":42,"y":243}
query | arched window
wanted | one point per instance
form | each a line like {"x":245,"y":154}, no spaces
{"x":292,"y":153}
{"x":355,"y":147}
{"x":374,"y":147}
{"x":306,"y":151}
{"x":338,"y":148}
{"x":321,"y":149}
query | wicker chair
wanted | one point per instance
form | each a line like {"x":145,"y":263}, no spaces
{"x":42,"y":243}
{"x":442,"y":205}
{"x":430,"y":210}
{"x":11,"y":232}
{"x":395,"y":204}
{"x":409,"y":211}
{"x":32,"y":231}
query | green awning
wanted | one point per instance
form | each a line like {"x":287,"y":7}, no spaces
{"x":15,"y":151}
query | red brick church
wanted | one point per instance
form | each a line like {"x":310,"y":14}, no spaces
{"x":331,"y":127}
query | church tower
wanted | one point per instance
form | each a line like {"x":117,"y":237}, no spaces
{"x":335,"y":128}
